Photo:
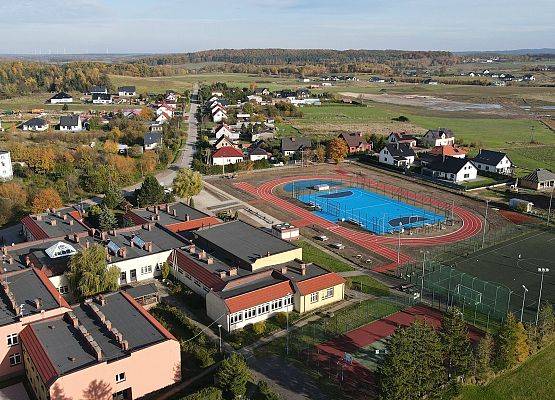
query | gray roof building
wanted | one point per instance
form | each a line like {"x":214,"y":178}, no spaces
{"x":69,"y":121}
{"x":489,"y":157}
{"x":295,"y":144}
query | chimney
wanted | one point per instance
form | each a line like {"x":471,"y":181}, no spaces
{"x":75,"y":237}
{"x":123,"y":252}
{"x":65,"y":217}
{"x":303,"y":269}
{"x":27,"y":260}
{"x":108,"y":324}
{"x":38,"y":303}
{"x":187,"y":217}
{"x":148,"y":246}
{"x":103,"y":235}
{"x":100,"y":299}
{"x":124,"y":345}
{"x":210,"y":261}
{"x":268,"y":254}
{"x":97,"y":351}
{"x":284,"y":270}
{"x":113,"y":232}
{"x":73,"y":319}
{"x":232,"y":271}
{"x":202,"y":255}
{"x":10,"y":260}
{"x":223,"y":274}
{"x":53,"y":222}
{"x":87,"y":244}
{"x":167,"y":207}
{"x":174,"y":212}
{"x":192,"y":249}
{"x":39,"y":217}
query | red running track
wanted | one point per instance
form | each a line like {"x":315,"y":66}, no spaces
{"x":471,"y":223}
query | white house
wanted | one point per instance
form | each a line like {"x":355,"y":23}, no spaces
{"x":402,"y":137}
{"x":218,"y":114}
{"x":162,"y":118}
{"x":451,"y":169}
{"x":101,"y":98}
{"x":71,"y":123}
{"x":152,"y":140}
{"x":60,"y":98}
{"x":397,"y":154}
{"x":493,"y":161}
{"x":257,"y":153}
{"x":35,"y":124}
{"x":164,"y":109}
{"x":227,"y":155}
{"x":225,"y":130}
{"x":99,"y":90}
{"x":439,"y":137}
{"x":6,"y":168}
{"x":127,"y":91}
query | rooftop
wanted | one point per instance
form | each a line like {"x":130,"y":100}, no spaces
{"x":55,"y":223}
{"x":20,"y":291}
{"x":539,"y":175}
{"x":165,"y":214}
{"x":489,"y":157}
{"x":243,"y":241}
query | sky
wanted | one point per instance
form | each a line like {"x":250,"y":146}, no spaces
{"x":156,"y":26}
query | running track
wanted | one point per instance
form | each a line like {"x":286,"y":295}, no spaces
{"x":471,"y":223}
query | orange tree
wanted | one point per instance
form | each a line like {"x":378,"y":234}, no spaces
{"x":337,"y":150}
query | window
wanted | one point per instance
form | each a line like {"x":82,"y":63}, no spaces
{"x":237,"y":317}
{"x":120,"y":377}
{"x":263,"y":309}
{"x":63,"y":289}
{"x":467,"y":175}
{"x":12,"y":339}
{"x":146,"y":270}
{"x":329,"y":293}
{"x":250,"y":313}
{"x":15,"y":359}
{"x":288,"y":301}
{"x":314,"y":297}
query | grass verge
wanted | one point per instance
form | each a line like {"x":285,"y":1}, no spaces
{"x":367,"y":284}
{"x":314,"y":255}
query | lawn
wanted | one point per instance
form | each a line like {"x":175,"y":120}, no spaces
{"x":535,"y":379}
{"x":367,"y":284}
{"x":314,"y":255}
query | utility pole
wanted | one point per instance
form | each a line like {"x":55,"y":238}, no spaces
{"x":523,"y":300}
{"x":543,"y":271}
{"x":423,"y":272}
{"x":399,"y":243}
{"x":220,"y":335}
{"x":485,"y":224}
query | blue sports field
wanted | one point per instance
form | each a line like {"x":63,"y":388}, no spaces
{"x":372,"y":211}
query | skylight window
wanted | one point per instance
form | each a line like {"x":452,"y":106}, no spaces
{"x":60,"y":249}
{"x":137,"y":241}
{"x":113,"y":247}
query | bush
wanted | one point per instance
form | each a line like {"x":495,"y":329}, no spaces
{"x":281,"y":318}
{"x":265,"y":392}
{"x":259,"y":327}
{"x":209,"y":393}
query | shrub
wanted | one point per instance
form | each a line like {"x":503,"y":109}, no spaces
{"x":208,"y":393}
{"x":281,"y":318}
{"x":259,"y":327}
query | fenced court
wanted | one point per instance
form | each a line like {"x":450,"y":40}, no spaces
{"x":359,"y":202}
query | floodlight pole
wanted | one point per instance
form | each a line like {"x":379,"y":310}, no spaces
{"x":523,"y":300}
{"x":399,"y":244}
{"x":543,"y":271}
{"x":549,"y":211}
{"x":485,"y":224}
{"x":287,"y":332}
{"x":422,"y":287}
{"x":220,"y":336}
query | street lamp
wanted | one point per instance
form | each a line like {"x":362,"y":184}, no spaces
{"x":399,"y":243}
{"x":523,"y":300}
{"x":220,"y":336}
{"x":485,"y":224}
{"x":423,"y":272}
{"x":543,"y":271}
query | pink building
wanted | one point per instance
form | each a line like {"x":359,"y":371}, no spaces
{"x":103,"y":349}
{"x":26,"y":296}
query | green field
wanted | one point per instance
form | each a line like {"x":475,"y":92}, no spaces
{"x":313,"y":254}
{"x":367,"y":284}
{"x":535,"y":379}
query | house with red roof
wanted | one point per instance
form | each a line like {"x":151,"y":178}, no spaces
{"x":227,"y":155}
{"x":448,"y":151}
{"x":355,"y":142}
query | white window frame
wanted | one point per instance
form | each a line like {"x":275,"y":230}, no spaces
{"x":63,"y":289}
{"x":250,"y":313}
{"x":15,"y":359}
{"x":120,"y":377}
{"x":314,"y":297}
{"x":236,"y":317}
{"x":12,"y":339}
{"x":329,"y":293}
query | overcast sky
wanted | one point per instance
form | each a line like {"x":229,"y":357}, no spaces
{"x":156,"y":26}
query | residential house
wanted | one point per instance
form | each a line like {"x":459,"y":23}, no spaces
{"x":6,"y":167}
{"x":127,"y":91}
{"x":397,"y":154}
{"x":255,"y":99}
{"x":26,"y":296}
{"x":430,"y":82}
{"x":71,"y":123}
{"x":218,"y":114}
{"x":540,"y":179}
{"x":265,"y":133}
{"x":257,"y":153}
{"x":60,"y":98}
{"x":102,"y":98}
{"x":156,"y":127}
{"x":493,"y":161}
{"x":100,"y":346}
{"x":377,"y":79}
{"x":448,"y":151}
{"x":162,"y":118}
{"x":438,"y":137}
{"x":302,"y":93}
{"x":225,"y":130}
{"x":261,"y":91}
{"x":356,"y":143}
{"x":292,"y":145}
{"x":528,"y":78}
{"x":224,"y":141}
{"x":402,"y":137}
{"x":451,"y":169}
{"x":152,"y":140}
{"x":35,"y":125}
{"x":227,"y":155}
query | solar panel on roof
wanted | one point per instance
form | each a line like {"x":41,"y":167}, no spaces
{"x":113,"y":247}
{"x":138,"y":241}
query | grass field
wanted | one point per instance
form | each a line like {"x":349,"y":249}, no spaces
{"x":314,"y":255}
{"x":367,"y":284}
{"x":535,"y":379}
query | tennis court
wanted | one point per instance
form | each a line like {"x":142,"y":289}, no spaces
{"x":372,"y":211}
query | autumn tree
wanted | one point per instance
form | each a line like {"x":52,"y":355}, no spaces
{"x":484,"y":359}
{"x":89,"y":273}
{"x":46,"y":198}
{"x":187,"y":183}
{"x":110,"y":147}
{"x":148,"y":162}
{"x":320,"y":154}
{"x":511,"y":345}
{"x":546,"y":323}
{"x":337,"y":150}
{"x":14,"y":192}
{"x":146,"y":113}
{"x":41,"y":160}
